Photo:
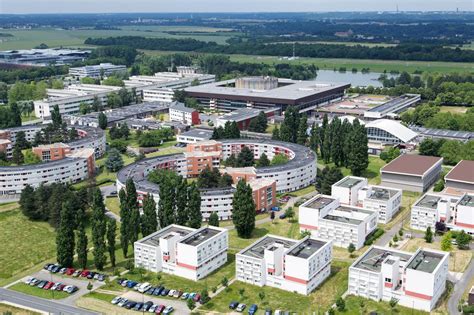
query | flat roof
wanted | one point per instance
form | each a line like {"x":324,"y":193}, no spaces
{"x":245,"y":113}
{"x":381,"y":193}
{"x":200,"y":236}
{"x":287,"y":90}
{"x":372,"y":259}
{"x":348,"y":182}
{"x":425,"y":261}
{"x":197,"y":133}
{"x":154,"y":239}
{"x":183,"y":108}
{"x":257,"y":249}
{"x":462,"y":172}
{"x":467,"y":200}
{"x":392,"y":104}
{"x":318,"y":202}
{"x":411,"y":164}
{"x":306,"y":248}
{"x":428,"y":201}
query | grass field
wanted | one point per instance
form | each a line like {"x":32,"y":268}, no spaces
{"x":24,"y":243}
{"x":45,"y":294}
{"x":113,"y":204}
{"x":453,"y":109}
{"x":26,"y":39}
{"x":9,"y":309}
{"x":372,"y":173}
{"x":353,"y":306}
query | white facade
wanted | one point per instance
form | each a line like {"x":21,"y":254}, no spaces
{"x":287,"y":264}
{"x":347,"y":189}
{"x":416,"y":280}
{"x":217,"y":200}
{"x":97,"y":71}
{"x":183,"y":251}
{"x":183,"y":114}
{"x":327,"y":219}
{"x":457,"y":212}
{"x":163,"y":95}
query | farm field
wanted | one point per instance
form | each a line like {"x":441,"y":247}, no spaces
{"x":26,"y":39}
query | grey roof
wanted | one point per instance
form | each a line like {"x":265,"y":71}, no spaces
{"x":306,"y":248}
{"x":395,"y":104}
{"x":40,"y":166}
{"x":181,"y":107}
{"x":381,"y":193}
{"x":467,"y":200}
{"x":198,"y":133}
{"x":200,"y":236}
{"x":372,"y":260}
{"x":154,"y":239}
{"x":349,"y":182}
{"x":425,"y":261}
{"x":319,"y":202}
{"x":443,"y":133}
{"x":257,"y":250}
{"x":428,"y":201}
{"x":245,"y":114}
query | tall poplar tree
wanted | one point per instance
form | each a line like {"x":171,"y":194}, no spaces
{"x":99,"y":229}
{"x":111,"y":228}
{"x":81,"y":247}
{"x":65,"y":235}
{"x":181,"y":202}
{"x":302,"y":130}
{"x":125,"y":220}
{"x":243,"y":210}
{"x":149,"y":218}
{"x":358,"y":159}
{"x":337,"y":143}
{"x":194,"y":207}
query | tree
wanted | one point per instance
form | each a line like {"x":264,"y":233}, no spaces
{"x":326,"y":147}
{"x":358,"y":160}
{"x":149,"y":218}
{"x":81,"y":246}
{"x":30,"y":158}
{"x":56,"y":117}
{"x":263,"y":161}
{"x":214,"y":219}
{"x":302,"y":130}
{"x":182,"y":202}
{"x":99,"y":228}
{"x":134,"y":227}
{"x":259,"y":123}
{"x":440,"y":227}
{"x":114,"y":160}
{"x":428,"y":235}
{"x":304,"y":234}
{"x":351,"y":248}
{"x":393,"y":303}
{"x":191,"y":304}
{"x":276,"y":133}
{"x":102,"y":121}
{"x":314,"y":138}
{"x":15,"y":115}
{"x":17,"y":156}
{"x":204,"y":296}
{"x":28,"y":204}
{"x":231,"y":130}
{"x":225,"y":282}
{"x":243,"y":210}
{"x":290,"y":213}
{"x":390,"y":154}
{"x":21,"y":141}
{"x":65,"y":235}
{"x":217,"y":133}
{"x":279,"y":159}
{"x":111,"y":228}
{"x":463,"y":239}
{"x":327,"y":177}
{"x":446,"y":244}
{"x":245,"y":157}
{"x":194,"y":207}
{"x":439,"y":186}
{"x":125,"y":220}
{"x":231,"y":161}
{"x":340,"y":304}
{"x":261,"y":295}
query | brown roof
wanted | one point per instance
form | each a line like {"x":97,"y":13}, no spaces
{"x":411,"y":164}
{"x":463,"y":172}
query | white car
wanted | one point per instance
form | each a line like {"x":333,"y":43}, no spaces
{"x":171,"y":293}
{"x":241,"y":307}
{"x":153,"y":308}
{"x":55,"y":286}
{"x":278,"y":312}
{"x":28,"y":280}
{"x":116,"y":300}
{"x":122,"y":302}
{"x":144,"y":287}
{"x":168,"y":310}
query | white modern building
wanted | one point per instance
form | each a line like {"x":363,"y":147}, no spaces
{"x":327,"y":219}
{"x":97,"y":71}
{"x":183,"y":251}
{"x":185,"y":115}
{"x":292,"y":265}
{"x":388,"y":131}
{"x":457,"y":212}
{"x":355,"y":191}
{"x":194,"y":135}
{"x":416,"y":280}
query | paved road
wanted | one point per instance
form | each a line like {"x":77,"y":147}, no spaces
{"x":40,"y":304}
{"x":460,"y":287}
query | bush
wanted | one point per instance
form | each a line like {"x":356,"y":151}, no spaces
{"x":372,"y":237}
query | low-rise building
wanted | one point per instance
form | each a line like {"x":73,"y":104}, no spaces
{"x":97,"y":71}
{"x":243,"y":116}
{"x":6,"y":147}
{"x":412,"y":172}
{"x":416,"y":280}
{"x":291,"y":265}
{"x":183,"y":251}
{"x":194,"y":135}
{"x":347,"y":189}
{"x":185,"y":115}
{"x":461,"y":176}
{"x":52,"y":152}
{"x":327,"y":219}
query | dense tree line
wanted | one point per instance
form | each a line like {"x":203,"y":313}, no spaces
{"x":12,"y":75}
{"x":120,"y":54}
{"x":155,"y":138}
{"x":409,"y":51}
{"x":229,"y":131}
{"x":259,"y":123}
{"x":326,"y":178}
{"x":429,"y":115}
{"x":452,"y":151}
{"x":212,"y":178}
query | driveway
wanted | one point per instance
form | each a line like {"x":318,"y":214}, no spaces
{"x":81,"y":283}
{"x":459,"y":288}
{"x":43,"y":305}
{"x":180,"y":306}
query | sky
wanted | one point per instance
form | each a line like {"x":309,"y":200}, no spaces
{"x":128,"y":6}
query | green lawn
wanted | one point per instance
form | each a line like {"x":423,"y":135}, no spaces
{"x":320,"y":299}
{"x":25,"y":244}
{"x":9,"y":309}
{"x":454,"y":109}
{"x":99,"y":296}
{"x":45,"y":294}
{"x":113,"y":204}
{"x":353,"y":306}
{"x":372,"y":173}
{"x":304,"y":191}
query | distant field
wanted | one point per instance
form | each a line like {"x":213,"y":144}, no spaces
{"x":25,"y":39}
{"x":453,"y":109}
{"x":341,"y":43}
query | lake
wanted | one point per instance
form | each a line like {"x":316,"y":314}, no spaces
{"x":356,"y":79}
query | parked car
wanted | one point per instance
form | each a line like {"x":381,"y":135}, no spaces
{"x":171,"y":293}
{"x":160,"y":309}
{"x":56,"y":285}
{"x":34,"y":282}
{"x":62,"y":270}
{"x":177,"y":294}
{"x":56,"y":269}
{"x":153,"y":308}
{"x":28,"y":280}
{"x":144,"y":287}
{"x":116,"y":300}
{"x":253,"y":309}
{"x":85,"y":273}
{"x":130,"y":305}
{"x":46,"y":267}
{"x":41,"y":284}
{"x":268,"y":311}
{"x":131,"y":284}
{"x":122,"y":302}
{"x":60,"y":287}
{"x":70,"y":289}
{"x":138,"y":306}
{"x":158,"y":290}
{"x":50,"y":267}
{"x":70,"y":271}
{"x":233,"y":305}
{"x":241,"y":307}
{"x":185,"y":296}
{"x":77,"y":273}
{"x":191,"y":295}
{"x":165,"y":292}
{"x":147,"y":306}
{"x":91,"y":275}
{"x":282,"y":216}
{"x":275,"y":208}
{"x":168,"y":310}
{"x":101,"y":277}
{"x":150,"y":290}
{"x":197,"y":297}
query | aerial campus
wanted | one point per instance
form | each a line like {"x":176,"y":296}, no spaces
{"x":262,"y":163}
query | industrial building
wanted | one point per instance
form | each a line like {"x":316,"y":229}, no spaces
{"x":416,"y":280}
{"x":43,"y":57}
{"x":432,"y":133}
{"x":391,"y":108}
{"x":264,"y":92}
{"x":292,"y":265}
{"x":327,"y":219}
{"x":461,"y":176}
{"x":243,"y":116}
{"x":183,"y":251}
{"x":411,"y":172}
{"x":97,"y":71}
{"x":387,"y":131}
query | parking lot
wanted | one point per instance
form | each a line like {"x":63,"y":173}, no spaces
{"x":179,"y":306}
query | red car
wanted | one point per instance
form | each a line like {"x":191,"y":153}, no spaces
{"x":60,"y":287}
{"x":197,"y":297}
{"x":85,"y":273}
{"x":70,"y":271}
{"x":160,"y":309}
{"x":48,"y":285}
